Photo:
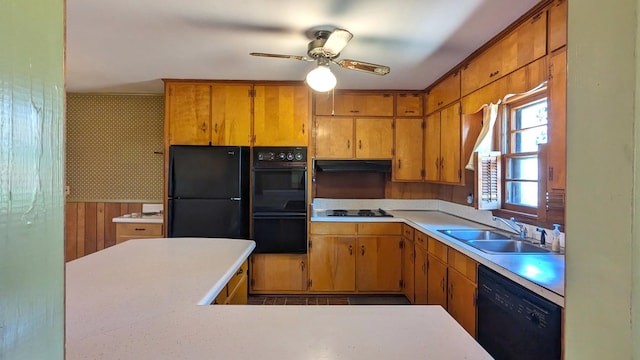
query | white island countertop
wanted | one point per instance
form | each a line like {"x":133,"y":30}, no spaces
{"x":139,"y":300}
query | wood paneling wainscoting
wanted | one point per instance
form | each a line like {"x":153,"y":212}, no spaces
{"x":88,"y":226}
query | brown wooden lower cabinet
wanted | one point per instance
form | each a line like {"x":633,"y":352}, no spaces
{"x":129,"y":231}
{"x":278,"y":273}
{"x":355,"y":257}
{"x":235,"y":291}
{"x":461,"y":303}
{"x":420,"y":275}
{"x":408,"y":265}
{"x":436,"y":282}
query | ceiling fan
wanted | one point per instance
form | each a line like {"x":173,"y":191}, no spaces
{"x":325,"y":49}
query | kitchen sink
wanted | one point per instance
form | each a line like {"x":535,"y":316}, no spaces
{"x":494,"y":242}
{"x":476,"y":235}
{"x":506,"y":246}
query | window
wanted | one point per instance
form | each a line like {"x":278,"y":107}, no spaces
{"x":525,"y":128}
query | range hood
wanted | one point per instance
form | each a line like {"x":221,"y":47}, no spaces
{"x":375,"y":166}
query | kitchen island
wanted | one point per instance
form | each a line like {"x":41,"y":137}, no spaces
{"x":147,"y":299}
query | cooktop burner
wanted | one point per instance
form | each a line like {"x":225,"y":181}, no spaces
{"x":359,"y":213}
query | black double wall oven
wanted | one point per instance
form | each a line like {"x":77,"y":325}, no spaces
{"x":279,"y":201}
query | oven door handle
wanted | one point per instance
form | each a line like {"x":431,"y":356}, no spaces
{"x":280,"y":169}
{"x":279,"y":215}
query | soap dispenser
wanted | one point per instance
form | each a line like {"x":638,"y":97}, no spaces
{"x":555,"y":238}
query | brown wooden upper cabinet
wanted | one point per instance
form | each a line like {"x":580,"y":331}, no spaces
{"x":408,"y":157}
{"x":204,"y":112}
{"x":354,"y":104}
{"x":444,"y":93}
{"x":188,"y":112}
{"x":281,"y":115}
{"x":521,"y":46}
{"x":339,"y":137}
{"x":442,"y":151}
{"x":557,"y":32}
{"x":409,"y":104}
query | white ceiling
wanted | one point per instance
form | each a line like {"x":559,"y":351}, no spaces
{"x":125,"y":46}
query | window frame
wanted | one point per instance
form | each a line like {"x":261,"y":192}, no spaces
{"x":509,"y":109}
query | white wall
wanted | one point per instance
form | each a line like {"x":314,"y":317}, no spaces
{"x":31,"y":172}
{"x":602,"y":160}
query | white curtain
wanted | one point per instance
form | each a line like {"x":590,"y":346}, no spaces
{"x":485,"y":139}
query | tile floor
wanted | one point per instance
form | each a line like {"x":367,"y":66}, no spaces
{"x":326,"y":300}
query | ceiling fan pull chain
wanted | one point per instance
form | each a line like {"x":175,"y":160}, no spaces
{"x":333,"y":102}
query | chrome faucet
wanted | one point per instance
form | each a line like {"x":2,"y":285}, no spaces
{"x":514,"y":225}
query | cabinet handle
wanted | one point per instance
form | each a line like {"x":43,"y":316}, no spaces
{"x":203,"y":127}
{"x":354,"y":111}
{"x":359,"y":144}
{"x":437,"y":163}
{"x":215,"y":128}
{"x":348,"y":144}
{"x":302,"y":265}
{"x":451,"y":291}
{"x":303,"y":129}
{"x":240,"y":271}
{"x":409,"y":111}
{"x":442,"y":163}
{"x":439,"y":103}
{"x":399,"y":163}
{"x":140,"y":229}
{"x":362,"y":250}
{"x":350,"y":249}
{"x":442,"y":284}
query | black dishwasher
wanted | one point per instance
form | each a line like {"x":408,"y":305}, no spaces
{"x":514,"y":322}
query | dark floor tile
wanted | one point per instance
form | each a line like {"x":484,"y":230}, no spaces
{"x":280,"y":300}
{"x":338,"y":301}
{"x":270,"y":300}
{"x":255,"y":300}
{"x":296,"y":300}
{"x":321,"y":300}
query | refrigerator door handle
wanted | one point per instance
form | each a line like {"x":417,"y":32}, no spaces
{"x":236,"y":199}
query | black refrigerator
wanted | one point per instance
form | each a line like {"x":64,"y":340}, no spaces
{"x":208,"y":191}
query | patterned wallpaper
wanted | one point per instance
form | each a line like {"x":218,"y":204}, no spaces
{"x":111,"y":142}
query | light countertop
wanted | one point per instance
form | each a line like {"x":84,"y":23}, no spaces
{"x":139,"y":300}
{"x":543,"y":274}
{"x":148,"y":219}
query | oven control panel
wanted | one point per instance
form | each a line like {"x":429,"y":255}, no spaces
{"x":279,"y":155}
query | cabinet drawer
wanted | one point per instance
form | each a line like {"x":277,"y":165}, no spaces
{"x":409,"y":104}
{"x":421,"y":239}
{"x":379,"y":229}
{"x":334,"y":228}
{"x":437,"y":249}
{"x":463,"y":264}
{"x":139,"y":229}
{"x":407,"y":232}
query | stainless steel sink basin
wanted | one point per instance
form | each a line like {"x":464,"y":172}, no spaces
{"x":494,"y":242}
{"x":506,"y":246}
{"x":476,"y":235}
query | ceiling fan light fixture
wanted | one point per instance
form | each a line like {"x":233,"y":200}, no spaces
{"x":321,"y":79}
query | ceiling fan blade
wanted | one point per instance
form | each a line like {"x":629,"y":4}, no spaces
{"x":337,"y":40}
{"x":363,"y":66}
{"x":293,"y":57}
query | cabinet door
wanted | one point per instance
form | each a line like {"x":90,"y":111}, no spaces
{"x":436,"y":282}
{"x":188,"y":113}
{"x":407,"y":162}
{"x":557,"y":18}
{"x":450,"y":144}
{"x":332,"y":263}
{"x":281,"y":115}
{"x":532,"y":40}
{"x":408,"y":269}
{"x":374,"y":138}
{"x":278,"y":272}
{"x":379,"y":263}
{"x":462,"y":300}
{"x":334,"y":138}
{"x":432,"y":147}
{"x":557,"y":101}
{"x":409,"y":104}
{"x":231,"y":116}
{"x":373,"y":104}
{"x":482,"y":69}
{"x":443,"y":93}
{"x":420,"y":276}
